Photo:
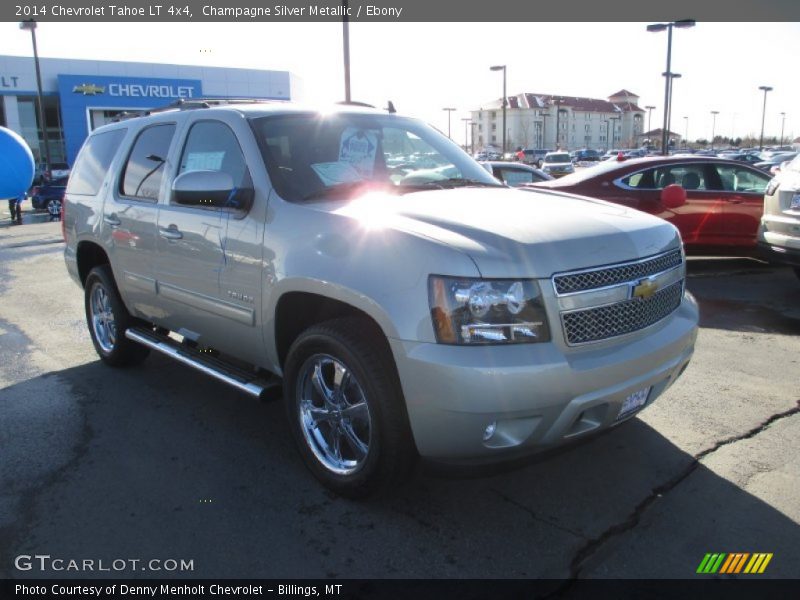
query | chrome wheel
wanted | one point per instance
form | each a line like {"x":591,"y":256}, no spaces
{"x":334,"y":414}
{"x":103,"y":322}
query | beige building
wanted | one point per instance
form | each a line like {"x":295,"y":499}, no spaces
{"x":532,"y":119}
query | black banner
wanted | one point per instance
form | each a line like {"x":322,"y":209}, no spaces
{"x":399,"y":10}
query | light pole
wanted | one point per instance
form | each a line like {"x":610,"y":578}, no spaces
{"x":613,"y":129}
{"x":766,"y":89}
{"x":714,"y":114}
{"x":545,"y":116}
{"x":670,"y":77}
{"x":466,"y":135}
{"x":557,"y":102}
{"x":783,"y":122}
{"x":649,"y":116}
{"x":686,"y":132}
{"x":505,"y":102}
{"x":608,"y":135}
{"x":346,"y":50}
{"x":449,"y":112}
{"x":30,"y":25}
{"x":668,"y":84}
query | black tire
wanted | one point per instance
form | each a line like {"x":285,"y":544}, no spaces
{"x":372,"y":380}
{"x":108,"y":335}
{"x":797,"y":271}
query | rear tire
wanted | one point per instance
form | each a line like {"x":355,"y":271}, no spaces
{"x":108,"y":319}
{"x":346,"y":409}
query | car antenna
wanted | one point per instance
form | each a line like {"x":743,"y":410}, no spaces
{"x":390,"y":107}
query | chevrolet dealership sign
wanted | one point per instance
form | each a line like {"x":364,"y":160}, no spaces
{"x":135,"y":90}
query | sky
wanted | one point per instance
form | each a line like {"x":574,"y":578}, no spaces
{"x":424,"y":67}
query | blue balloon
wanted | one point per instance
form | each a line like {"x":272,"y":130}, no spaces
{"x":16,"y":165}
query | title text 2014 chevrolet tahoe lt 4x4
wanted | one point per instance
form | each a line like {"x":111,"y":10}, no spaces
{"x":410,"y":304}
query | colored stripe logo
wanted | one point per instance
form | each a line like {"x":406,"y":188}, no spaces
{"x":734,"y":563}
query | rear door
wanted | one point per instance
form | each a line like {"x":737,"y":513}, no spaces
{"x":743,"y":193}
{"x":129,"y":218}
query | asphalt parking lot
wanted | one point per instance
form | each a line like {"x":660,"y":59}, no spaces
{"x":160,"y":462}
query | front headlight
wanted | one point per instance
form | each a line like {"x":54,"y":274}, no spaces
{"x":487,"y":311}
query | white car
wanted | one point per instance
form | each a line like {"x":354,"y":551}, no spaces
{"x":558,"y":164}
{"x":779,"y":232}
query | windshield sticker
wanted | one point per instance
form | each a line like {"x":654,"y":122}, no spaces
{"x":332,"y":173}
{"x":358,"y":147}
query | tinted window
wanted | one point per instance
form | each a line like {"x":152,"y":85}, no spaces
{"x":737,"y":179}
{"x":690,"y":177}
{"x":145,"y":167}
{"x":516,"y":177}
{"x":212,"y":146}
{"x":93,"y":161}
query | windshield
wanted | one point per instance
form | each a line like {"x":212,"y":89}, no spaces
{"x":311,"y":156}
{"x":557,"y":158}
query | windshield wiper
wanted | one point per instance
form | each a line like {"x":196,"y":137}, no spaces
{"x":462,"y":182}
{"x":444,"y":184}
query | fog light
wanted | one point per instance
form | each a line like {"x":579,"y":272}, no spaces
{"x":489,"y":431}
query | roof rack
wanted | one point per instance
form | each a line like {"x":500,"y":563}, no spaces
{"x":190,"y":104}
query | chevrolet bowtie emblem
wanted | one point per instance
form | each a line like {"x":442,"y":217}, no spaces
{"x":88,"y":89}
{"x":645,"y":289}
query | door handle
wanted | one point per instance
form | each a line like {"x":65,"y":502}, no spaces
{"x":170,"y":233}
{"x":112,"y":220}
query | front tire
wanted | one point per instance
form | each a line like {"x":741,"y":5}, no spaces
{"x":346,"y":409}
{"x":108,"y":319}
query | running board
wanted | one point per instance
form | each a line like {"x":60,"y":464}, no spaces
{"x":233,"y":376}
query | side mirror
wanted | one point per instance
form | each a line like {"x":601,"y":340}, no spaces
{"x":213,"y":189}
{"x":673,"y":196}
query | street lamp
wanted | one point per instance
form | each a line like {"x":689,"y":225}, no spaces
{"x":557,"y":102}
{"x":30,"y":25}
{"x":783,"y":122}
{"x":505,"y":102}
{"x":714,"y":114}
{"x":649,"y":116}
{"x":686,"y":132}
{"x":467,"y":121}
{"x":668,"y":84}
{"x":670,"y":77}
{"x":766,"y":89}
{"x":449,"y":112}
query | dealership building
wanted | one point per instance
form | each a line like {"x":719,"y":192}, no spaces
{"x":81,"y":95}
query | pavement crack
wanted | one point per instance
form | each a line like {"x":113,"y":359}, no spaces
{"x":632,"y":520}
{"x":536,"y":517}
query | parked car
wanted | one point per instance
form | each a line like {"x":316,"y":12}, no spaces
{"x":534,"y":156}
{"x":779,"y":231}
{"x":402,"y":311}
{"x":586,"y":155}
{"x":717,"y":204}
{"x":775,"y":159}
{"x":557,"y":164}
{"x":48,"y":195}
{"x":516,"y":174}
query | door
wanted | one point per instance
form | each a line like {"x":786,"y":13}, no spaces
{"x":743,"y":191}
{"x":129,"y":219}
{"x":200,"y":268}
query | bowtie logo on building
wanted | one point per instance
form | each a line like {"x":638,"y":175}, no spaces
{"x":89,"y":89}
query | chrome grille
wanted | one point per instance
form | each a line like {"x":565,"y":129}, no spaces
{"x":612,"y":320}
{"x":604,"y":277}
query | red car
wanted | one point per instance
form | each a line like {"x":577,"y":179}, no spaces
{"x":715,"y":203}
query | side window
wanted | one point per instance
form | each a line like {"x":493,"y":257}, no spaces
{"x":144,"y":169}
{"x":212,"y":146}
{"x":690,"y":177}
{"x":93,"y":161}
{"x":737,"y":179}
{"x":643,"y":180}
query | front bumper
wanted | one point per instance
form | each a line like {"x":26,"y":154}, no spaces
{"x":539,"y":395}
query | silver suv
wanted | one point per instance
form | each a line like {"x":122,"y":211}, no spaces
{"x":779,"y":233}
{"x":403,"y":301}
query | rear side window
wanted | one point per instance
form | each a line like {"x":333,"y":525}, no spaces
{"x":144,"y":169}
{"x":93,"y":161}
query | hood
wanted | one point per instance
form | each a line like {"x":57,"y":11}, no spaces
{"x":513,"y":233}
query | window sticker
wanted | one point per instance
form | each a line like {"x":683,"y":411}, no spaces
{"x":358,"y":147}
{"x":332,"y":173}
{"x":204,"y":161}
